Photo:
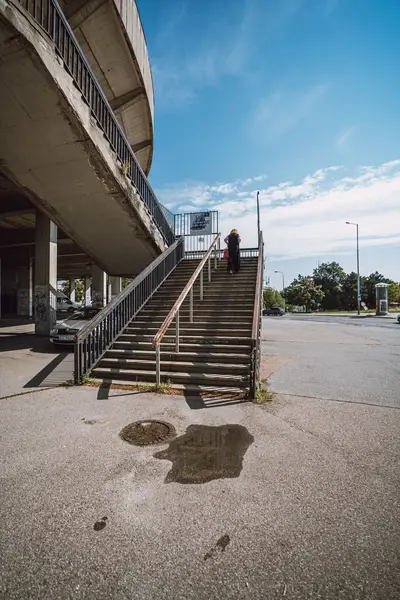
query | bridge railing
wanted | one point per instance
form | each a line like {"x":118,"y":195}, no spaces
{"x":255,"y":349}
{"x":206,"y":261}
{"x":49,"y":15}
{"x":93,"y":340}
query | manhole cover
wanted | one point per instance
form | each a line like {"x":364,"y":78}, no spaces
{"x":146,"y":433}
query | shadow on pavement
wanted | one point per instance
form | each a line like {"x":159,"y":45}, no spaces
{"x":198,"y":400}
{"x":33,"y":354}
{"x":58,"y":371}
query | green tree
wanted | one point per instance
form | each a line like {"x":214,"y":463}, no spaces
{"x":304,"y":292}
{"x":79,"y":289}
{"x":272,"y":298}
{"x":126,"y":281}
{"x":348,"y":296}
{"x":394,"y":293}
{"x":331,"y":277}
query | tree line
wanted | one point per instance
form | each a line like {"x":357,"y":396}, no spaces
{"x":331,"y":288}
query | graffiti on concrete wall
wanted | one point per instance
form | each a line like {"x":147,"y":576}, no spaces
{"x":23,"y":303}
{"x":41,"y":303}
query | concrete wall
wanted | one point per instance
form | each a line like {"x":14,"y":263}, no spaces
{"x":133,"y":26}
{"x":112,"y":39}
{"x":52,"y":147}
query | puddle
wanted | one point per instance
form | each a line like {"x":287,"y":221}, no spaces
{"x":146,"y":433}
{"x":99,"y":525}
{"x":205,"y":453}
{"x":220,"y":545}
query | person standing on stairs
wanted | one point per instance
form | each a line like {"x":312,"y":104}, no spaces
{"x":233,"y":241}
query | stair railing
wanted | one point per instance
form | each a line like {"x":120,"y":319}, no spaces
{"x":174,"y":312}
{"x":255,"y":344}
{"x":50,"y":17}
{"x":94,"y":339}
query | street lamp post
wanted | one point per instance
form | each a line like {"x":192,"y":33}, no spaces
{"x":283,"y":284}
{"x":358,"y":269}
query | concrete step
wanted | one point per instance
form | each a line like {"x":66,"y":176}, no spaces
{"x":218,"y":357}
{"x":209,"y":379}
{"x":184,"y":330}
{"x":213,"y":396}
{"x":217,"y":284}
{"x":175,"y":366}
{"x":191,"y":338}
{"x":185,"y":324}
{"x":199,"y":313}
{"x":169,"y":346}
{"x":220,"y":300}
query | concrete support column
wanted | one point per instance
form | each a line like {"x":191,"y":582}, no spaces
{"x":99,"y":287}
{"x":72,"y":290}
{"x":45,"y":274}
{"x":23,"y":282}
{"x":108,"y":289}
{"x":116,"y":286}
{"x":87,"y":294}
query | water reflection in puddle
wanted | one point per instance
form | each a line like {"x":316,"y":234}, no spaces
{"x":205,"y":453}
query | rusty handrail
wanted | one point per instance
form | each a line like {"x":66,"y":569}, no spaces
{"x":255,"y":330}
{"x":174,"y":312}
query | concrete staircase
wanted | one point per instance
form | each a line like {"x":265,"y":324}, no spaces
{"x":214,"y":349}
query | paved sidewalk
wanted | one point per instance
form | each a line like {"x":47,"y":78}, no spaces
{"x":314,"y":513}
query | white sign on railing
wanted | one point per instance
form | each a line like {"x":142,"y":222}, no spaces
{"x":201,"y":223}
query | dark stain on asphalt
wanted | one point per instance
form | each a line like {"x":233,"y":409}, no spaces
{"x":205,"y":453}
{"x":99,"y":525}
{"x":220,"y":545}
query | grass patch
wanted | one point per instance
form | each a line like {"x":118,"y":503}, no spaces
{"x":263,"y":395}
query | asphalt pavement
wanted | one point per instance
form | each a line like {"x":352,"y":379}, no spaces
{"x":309,"y":507}
{"x":389,"y":321}
{"x":350,"y":360}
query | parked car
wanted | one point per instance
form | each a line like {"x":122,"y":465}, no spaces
{"x":398,"y":319}
{"x":275,"y":311}
{"x":65,"y":332}
{"x":64,"y":304}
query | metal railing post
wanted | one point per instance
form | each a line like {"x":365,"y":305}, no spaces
{"x":191,"y":305}
{"x":158,"y":361}
{"x":201,"y":284}
{"x":209,"y":270}
{"x":177,"y":332}
{"x":215,"y":257}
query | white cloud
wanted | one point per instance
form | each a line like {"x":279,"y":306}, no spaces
{"x":281,"y":111}
{"x":305,"y":218}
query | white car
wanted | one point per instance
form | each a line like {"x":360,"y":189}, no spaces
{"x":65,"y":332}
{"x":64,"y":304}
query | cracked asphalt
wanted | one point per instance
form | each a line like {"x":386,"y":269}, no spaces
{"x":314,"y":512}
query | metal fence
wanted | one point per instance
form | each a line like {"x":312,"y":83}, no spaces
{"x":48,"y":14}
{"x":199,"y":229}
{"x":97,"y":336}
{"x":244,"y":253}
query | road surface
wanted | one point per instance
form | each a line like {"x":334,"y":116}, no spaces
{"x":339,"y":358}
{"x":296,"y":499}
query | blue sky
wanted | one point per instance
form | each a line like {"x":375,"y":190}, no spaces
{"x":299,"y":99}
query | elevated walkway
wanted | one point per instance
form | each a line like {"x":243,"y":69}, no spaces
{"x":63,"y":146}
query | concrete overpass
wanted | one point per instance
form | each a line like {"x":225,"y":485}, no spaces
{"x":73,"y":171}
{"x":111,"y":36}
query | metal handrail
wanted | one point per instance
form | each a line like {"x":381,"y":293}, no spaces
{"x":94,"y":339}
{"x":255,"y":343}
{"x":49,"y":15}
{"x":174,"y":312}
